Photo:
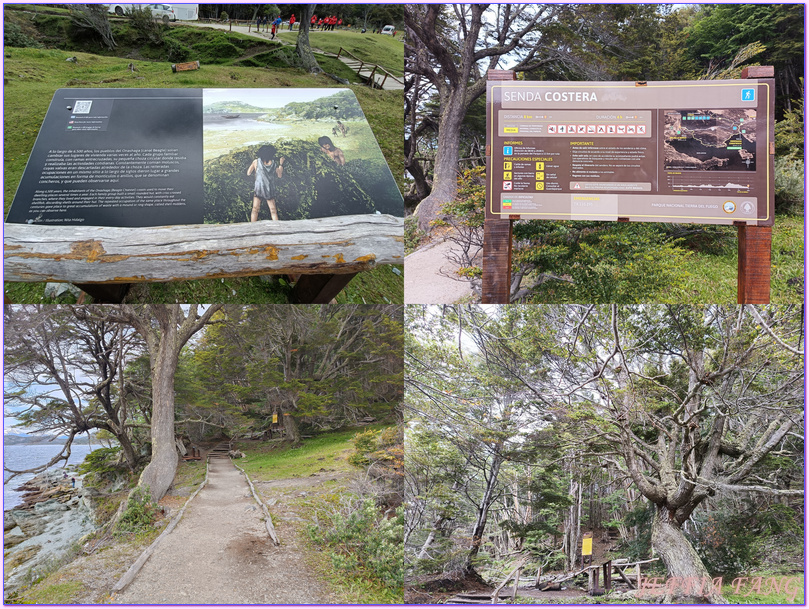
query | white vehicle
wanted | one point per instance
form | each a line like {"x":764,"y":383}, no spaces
{"x":388,"y":30}
{"x":164,"y":12}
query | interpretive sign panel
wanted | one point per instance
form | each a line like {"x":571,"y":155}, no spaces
{"x":687,"y":152}
{"x":153,"y":157}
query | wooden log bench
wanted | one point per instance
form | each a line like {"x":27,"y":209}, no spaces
{"x":105,"y":261}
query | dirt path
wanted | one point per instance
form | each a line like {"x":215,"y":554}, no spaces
{"x":220,"y":554}
{"x":426,"y":276}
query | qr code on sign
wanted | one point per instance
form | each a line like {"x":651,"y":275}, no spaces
{"x":82,"y":107}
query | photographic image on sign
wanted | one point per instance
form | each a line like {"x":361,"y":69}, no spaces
{"x":291,"y":154}
{"x":710,"y":140}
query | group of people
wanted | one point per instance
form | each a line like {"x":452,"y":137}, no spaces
{"x":269,"y":171}
{"x":273,"y":25}
{"x":325,"y":23}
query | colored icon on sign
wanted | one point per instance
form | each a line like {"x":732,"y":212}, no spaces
{"x":540,"y":175}
{"x":591,"y":128}
{"x":581,"y":129}
{"x":729,"y":207}
{"x":561,"y":129}
{"x":506,"y":203}
{"x":630,"y":129}
{"x":506,"y":175}
{"x":507,"y":186}
{"x":621,"y":128}
{"x":610,"y":128}
{"x":601,"y":129}
{"x":507,"y":165}
{"x":507,"y":150}
{"x":540,"y":185}
{"x":540,"y":166}
{"x":748,"y":95}
{"x":511,"y":129}
{"x":641,"y":129}
{"x":551,"y":128}
{"x":571,"y":128}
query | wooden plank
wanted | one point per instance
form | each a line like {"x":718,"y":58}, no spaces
{"x":92,"y":254}
{"x":319,"y":289}
{"x":184,"y":67}
{"x":755,"y":253}
{"x":496,"y":280}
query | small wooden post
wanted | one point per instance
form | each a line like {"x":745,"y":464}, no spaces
{"x":497,"y":234}
{"x":608,"y":575}
{"x":755,"y":242}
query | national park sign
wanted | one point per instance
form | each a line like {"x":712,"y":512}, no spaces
{"x":686,"y":152}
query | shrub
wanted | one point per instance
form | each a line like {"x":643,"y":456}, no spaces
{"x":412,"y":234}
{"x":361,"y":538}
{"x":140,"y":512}
{"x":724,"y":542}
{"x":789,"y":184}
{"x":145,"y":25}
{"x":13,"y":36}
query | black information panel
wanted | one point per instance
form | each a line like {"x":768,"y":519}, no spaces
{"x":153,"y":157}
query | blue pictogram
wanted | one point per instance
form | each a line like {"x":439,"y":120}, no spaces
{"x":748,"y":95}
{"x":507,"y":150}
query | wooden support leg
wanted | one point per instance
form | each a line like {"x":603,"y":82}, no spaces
{"x":105,"y":293}
{"x":755,"y":261}
{"x":319,"y":289}
{"x":496,"y":284}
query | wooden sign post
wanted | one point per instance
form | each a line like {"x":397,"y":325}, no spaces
{"x":497,"y":233}
{"x":688,"y":152}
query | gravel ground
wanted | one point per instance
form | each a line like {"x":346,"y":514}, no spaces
{"x":220,"y":553}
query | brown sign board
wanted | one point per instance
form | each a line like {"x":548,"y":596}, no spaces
{"x":686,"y":152}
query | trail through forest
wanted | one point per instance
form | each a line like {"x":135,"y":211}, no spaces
{"x":220,"y":553}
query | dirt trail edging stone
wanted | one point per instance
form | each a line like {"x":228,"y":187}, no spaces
{"x":268,"y":518}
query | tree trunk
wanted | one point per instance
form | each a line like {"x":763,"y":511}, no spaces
{"x":291,"y":427}
{"x":445,"y":174}
{"x":689,"y":581}
{"x":302,"y":46}
{"x":159,"y":474}
{"x":483,"y":513}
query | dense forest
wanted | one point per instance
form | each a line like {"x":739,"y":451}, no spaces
{"x":664,"y":432}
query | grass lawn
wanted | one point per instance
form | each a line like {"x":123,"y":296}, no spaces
{"x":33,"y":75}
{"x":385,"y":51}
{"x":278,"y":461}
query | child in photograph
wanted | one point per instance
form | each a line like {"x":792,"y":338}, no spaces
{"x":268,"y":172}
{"x":333,"y":152}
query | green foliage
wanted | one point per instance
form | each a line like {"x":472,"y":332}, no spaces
{"x":640,"y":547}
{"x":724,"y":541}
{"x":789,"y":132}
{"x":789,"y":184}
{"x":383,"y":448}
{"x":313,"y":186}
{"x":145,"y":25}
{"x":363,"y":539}
{"x":13,"y":36}
{"x":140,"y":513}
{"x":412,"y":234}
{"x":101,"y":465}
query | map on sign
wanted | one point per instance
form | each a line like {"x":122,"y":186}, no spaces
{"x":710,"y":140}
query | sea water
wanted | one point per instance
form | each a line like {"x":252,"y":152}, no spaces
{"x":26,"y":456}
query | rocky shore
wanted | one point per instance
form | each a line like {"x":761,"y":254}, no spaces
{"x":54,"y":516}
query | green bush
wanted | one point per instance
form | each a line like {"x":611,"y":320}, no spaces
{"x":412,"y":234}
{"x":312,"y":185}
{"x":364,"y":539}
{"x":101,"y":465}
{"x":13,"y":36}
{"x":724,"y":541}
{"x":145,"y":25}
{"x":140,"y":512}
{"x":789,"y":184}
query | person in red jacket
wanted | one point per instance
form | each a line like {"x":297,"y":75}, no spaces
{"x":313,"y":22}
{"x":291,"y":22}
